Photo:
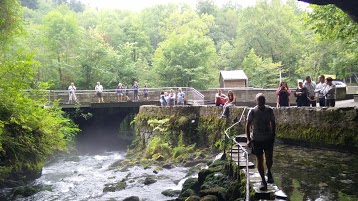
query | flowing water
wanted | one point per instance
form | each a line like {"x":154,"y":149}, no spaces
{"x":302,"y":173}
{"x":86,"y":178}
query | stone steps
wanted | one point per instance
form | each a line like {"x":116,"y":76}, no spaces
{"x":273,"y":192}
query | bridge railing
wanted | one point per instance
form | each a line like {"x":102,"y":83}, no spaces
{"x":192,"y":96}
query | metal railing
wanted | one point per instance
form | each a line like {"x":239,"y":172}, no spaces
{"x":192,"y":96}
{"x":246,"y":154}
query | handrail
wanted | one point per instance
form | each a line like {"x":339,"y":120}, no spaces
{"x":246,"y":155}
{"x":191,"y":94}
{"x":197,"y":92}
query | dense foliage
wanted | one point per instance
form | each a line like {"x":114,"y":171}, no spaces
{"x":29,"y":132}
{"x":175,"y":45}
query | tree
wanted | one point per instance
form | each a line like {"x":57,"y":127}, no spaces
{"x":273,"y":30}
{"x":61,"y":32}
{"x":10,"y":19}
{"x":183,"y":59}
{"x":332,"y":24}
{"x":261,"y":72}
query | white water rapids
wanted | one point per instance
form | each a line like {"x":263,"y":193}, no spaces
{"x":85,"y":180}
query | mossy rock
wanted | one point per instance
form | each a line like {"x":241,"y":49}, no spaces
{"x":209,"y":198}
{"x":24,"y":191}
{"x":218,"y":192}
{"x":193,"y":198}
{"x":234,"y":192}
{"x":215,"y":179}
{"x":115,"y":187}
{"x":191,"y":183}
{"x":204,"y":173}
{"x":171,"y":193}
{"x":149,"y":180}
{"x":187,"y":193}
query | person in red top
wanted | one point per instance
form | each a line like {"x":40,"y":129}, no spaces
{"x":220,"y":98}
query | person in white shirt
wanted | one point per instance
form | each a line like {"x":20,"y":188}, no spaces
{"x":181,"y":97}
{"x":320,"y":87}
{"x":72,"y":96}
{"x":171,"y":98}
{"x":330,"y":93}
{"x":99,"y":91}
{"x":311,"y":87}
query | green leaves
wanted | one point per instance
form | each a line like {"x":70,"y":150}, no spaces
{"x":263,"y":72}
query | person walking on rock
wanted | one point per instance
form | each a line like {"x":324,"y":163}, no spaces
{"x":262,"y":119}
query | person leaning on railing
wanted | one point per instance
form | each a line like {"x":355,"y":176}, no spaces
{"x":99,"y":91}
{"x":72,"y":94}
{"x":180,"y":97}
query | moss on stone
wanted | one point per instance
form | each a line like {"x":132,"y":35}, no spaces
{"x":209,"y":198}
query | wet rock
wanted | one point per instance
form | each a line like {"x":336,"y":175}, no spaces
{"x":347,"y":181}
{"x":171,"y":193}
{"x":187,"y":193}
{"x":167,"y":166}
{"x":131,"y":198}
{"x":209,"y":198}
{"x":24,"y":191}
{"x":218,"y":192}
{"x":73,"y":159}
{"x":193,"y":198}
{"x":149,"y":180}
{"x":192,"y":184}
{"x":322,"y":185}
{"x":125,"y":169}
{"x":114,"y":187}
{"x":155,"y":172}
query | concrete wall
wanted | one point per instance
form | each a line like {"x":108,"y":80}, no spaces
{"x":328,"y":127}
{"x":247,"y":95}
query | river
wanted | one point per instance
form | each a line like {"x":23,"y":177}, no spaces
{"x":303,"y":173}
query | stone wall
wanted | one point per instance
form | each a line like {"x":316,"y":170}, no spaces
{"x":245,"y":96}
{"x":328,"y":127}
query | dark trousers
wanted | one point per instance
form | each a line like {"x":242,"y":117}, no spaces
{"x":322,"y":102}
{"x":313,"y":103}
{"x":330,"y":102}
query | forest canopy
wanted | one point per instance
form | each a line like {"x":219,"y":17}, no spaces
{"x":178,"y":45}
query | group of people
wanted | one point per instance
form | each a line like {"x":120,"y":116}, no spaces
{"x":121,"y":91}
{"x":172,"y":99}
{"x":308,"y":93}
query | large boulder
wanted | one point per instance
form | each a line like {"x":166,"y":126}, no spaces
{"x":149,"y":180}
{"x":171,"y":193}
